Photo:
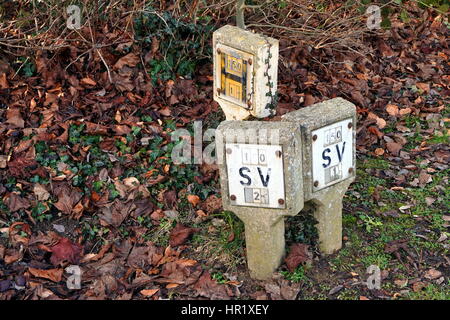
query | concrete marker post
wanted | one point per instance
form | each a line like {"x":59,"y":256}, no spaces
{"x":245,"y":73}
{"x":275,"y":182}
{"x":329,"y":163}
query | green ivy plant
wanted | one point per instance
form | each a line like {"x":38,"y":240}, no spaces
{"x":182,"y":45}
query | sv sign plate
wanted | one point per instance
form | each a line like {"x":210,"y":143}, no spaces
{"x":255,"y":175}
{"x":332,"y":154}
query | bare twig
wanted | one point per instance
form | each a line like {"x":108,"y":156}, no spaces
{"x":106,"y":65}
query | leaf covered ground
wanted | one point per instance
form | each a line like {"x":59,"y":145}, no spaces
{"x":87,"y":178}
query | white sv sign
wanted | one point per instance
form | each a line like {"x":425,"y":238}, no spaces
{"x":332,"y":154}
{"x":255,"y":175}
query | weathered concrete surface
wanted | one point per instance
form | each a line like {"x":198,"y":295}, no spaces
{"x":260,"y":48}
{"x":328,"y":213}
{"x":261,"y":132}
{"x":265,"y":245}
{"x":328,"y":201}
{"x":264,"y":227}
{"x":313,"y":117}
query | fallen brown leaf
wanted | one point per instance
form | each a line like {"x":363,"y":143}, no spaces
{"x":54,"y":275}
{"x":392,"y":110}
{"x":396,"y":245}
{"x":148,"y":292}
{"x":209,"y":288}
{"x":115,"y":213}
{"x":14,"y":118}
{"x":170,"y":198}
{"x":425,"y":87}
{"x":88,"y":81}
{"x":12,"y":255}
{"x":424,"y":178}
{"x":379,"y":151}
{"x":17,"y":231}
{"x":394,"y":148}
{"x":3,"y":161}
{"x":401,"y":283}
{"x":212,"y":204}
{"x":67,"y":199}
{"x":3,"y":81}
{"x":40,"y":192}
{"x":130,"y":60}
{"x":298,"y":254}
{"x":65,"y":250}
{"x":418,"y":286}
{"x":16,"y":202}
{"x":18,"y":166}
{"x":432,"y":274}
{"x":193,"y":199}
{"x":180,"y":234}
{"x":404,"y":111}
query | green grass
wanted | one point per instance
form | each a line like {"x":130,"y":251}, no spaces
{"x":369,"y":226}
{"x":370,"y":223}
{"x":298,"y":275}
{"x":219,"y":277}
{"x":373,"y":163}
{"x":348,"y":294}
{"x":432,"y":292}
{"x":375,"y":255}
{"x":396,"y":228}
{"x":444,"y":138}
{"x":221,"y":246}
{"x":235,"y":227}
{"x":160,"y":234}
